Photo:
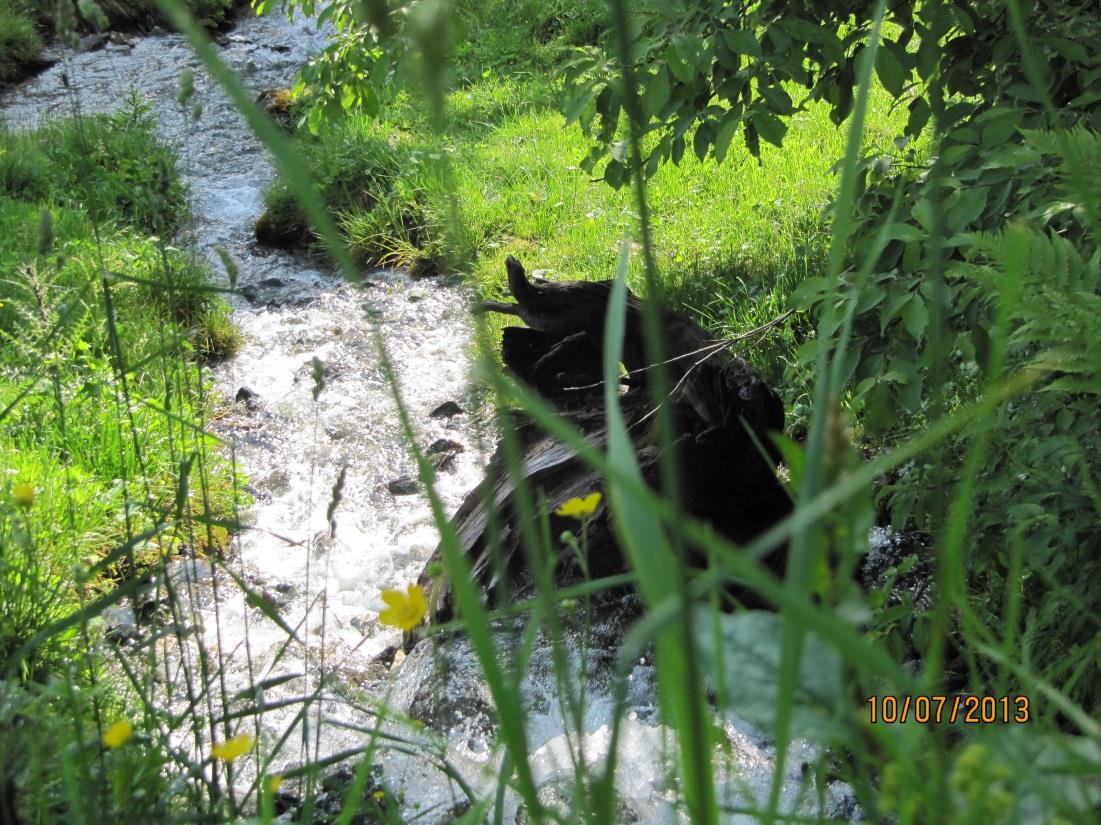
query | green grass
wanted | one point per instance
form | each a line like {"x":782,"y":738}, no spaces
{"x":86,"y":426}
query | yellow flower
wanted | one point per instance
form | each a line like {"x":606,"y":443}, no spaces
{"x":118,"y":734}
{"x":23,"y":495}
{"x":273,"y":783}
{"x":580,"y":507}
{"x":406,"y":610}
{"x":379,"y":795}
{"x":233,"y":748}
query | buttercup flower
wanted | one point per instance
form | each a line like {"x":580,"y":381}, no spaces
{"x":233,"y":748}
{"x":118,"y":734}
{"x":23,"y":495}
{"x":273,"y":783}
{"x":406,"y":610}
{"x":580,"y":507}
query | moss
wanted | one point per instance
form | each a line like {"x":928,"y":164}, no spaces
{"x":283,"y":224}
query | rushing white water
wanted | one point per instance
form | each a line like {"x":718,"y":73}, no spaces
{"x":325,"y":583}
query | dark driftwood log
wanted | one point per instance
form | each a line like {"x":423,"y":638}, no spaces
{"x":723,"y":410}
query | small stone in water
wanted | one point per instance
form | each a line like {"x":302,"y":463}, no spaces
{"x":446,"y":410}
{"x":249,"y":397}
{"x":445,"y":445}
{"x":404,"y":486}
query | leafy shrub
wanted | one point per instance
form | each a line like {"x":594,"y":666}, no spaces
{"x":983,"y":263}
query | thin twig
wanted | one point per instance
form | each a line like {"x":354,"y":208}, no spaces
{"x":710,"y":349}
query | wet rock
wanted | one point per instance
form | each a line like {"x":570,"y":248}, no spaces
{"x":120,"y":39}
{"x":285,"y":801}
{"x":444,"y":445}
{"x":446,"y":410}
{"x":277,"y":483}
{"x":425,"y":266}
{"x":281,"y":229}
{"x":415,"y":295}
{"x":903,"y":561}
{"x":249,"y":397}
{"x":443,"y":451}
{"x":561,"y":795}
{"x":277,"y":103}
{"x":377,"y":805}
{"x":441,"y":685}
{"x":257,"y":494}
{"x":94,"y":42}
{"x":404,"y":486}
{"x":122,"y":625}
{"x":367,"y":625}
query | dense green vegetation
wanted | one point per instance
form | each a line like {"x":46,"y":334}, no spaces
{"x":106,"y":469}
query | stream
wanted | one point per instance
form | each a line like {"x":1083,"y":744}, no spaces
{"x":326,"y":580}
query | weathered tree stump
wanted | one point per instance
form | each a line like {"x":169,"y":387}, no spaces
{"x":723,"y":412}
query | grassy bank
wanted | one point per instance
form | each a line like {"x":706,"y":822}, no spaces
{"x":104,"y":330}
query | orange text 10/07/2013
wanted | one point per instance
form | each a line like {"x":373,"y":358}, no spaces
{"x":937,"y":708}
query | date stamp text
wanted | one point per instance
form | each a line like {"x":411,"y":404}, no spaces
{"x":937,"y":708}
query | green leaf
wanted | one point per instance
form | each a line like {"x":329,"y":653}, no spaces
{"x":741,"y":41}
{"x":924,"y":214}
{"x":919,"y":116}
{"x":905,"y":232}
{"x":966,"y":206}
{"x":744,"y":656}
{"x":890,"y":71}
{"x":770,"y":127}
{"x":725,"y":134}
{"x":682,"y":69}
{"x":880,"y":410}
{"x":915,"y":317}
{"x":998,"y":126}
{"x":701,"y":141}
{"x":615,"y":173}
{"x":804,"y":30}
{"x":777,"y":99}
{"x":656,"y":94}
{"x":752,"y":139}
